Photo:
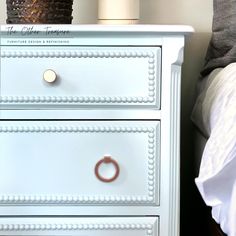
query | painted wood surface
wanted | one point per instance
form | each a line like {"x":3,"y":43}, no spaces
{"x":118,"y":96}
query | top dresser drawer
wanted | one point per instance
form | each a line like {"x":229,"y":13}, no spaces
{"x":83,"y":76}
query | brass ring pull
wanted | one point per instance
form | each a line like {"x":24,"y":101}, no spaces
{"x":49,"y":76}
{"x":107,"y":160}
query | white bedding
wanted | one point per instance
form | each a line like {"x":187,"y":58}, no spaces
{"x":215,"y":115}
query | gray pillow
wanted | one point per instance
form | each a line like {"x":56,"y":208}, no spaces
{"x":222,"y":46}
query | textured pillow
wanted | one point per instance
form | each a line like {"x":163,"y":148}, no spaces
{"x":222,"y":46}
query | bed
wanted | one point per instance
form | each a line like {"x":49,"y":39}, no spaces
{"x":214,"y":115}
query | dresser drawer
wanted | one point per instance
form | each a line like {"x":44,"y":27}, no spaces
{"x":79,"y":163}
{"x":57,"y":77}
{"x":100,"y":226}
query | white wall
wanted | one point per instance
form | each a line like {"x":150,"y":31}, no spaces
{"x":197,"y":13}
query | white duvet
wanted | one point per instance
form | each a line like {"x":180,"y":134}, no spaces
{"x":215,"y":115}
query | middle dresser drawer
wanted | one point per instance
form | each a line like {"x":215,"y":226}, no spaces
{"x":79,"y":162}
{"x":57,"y":77}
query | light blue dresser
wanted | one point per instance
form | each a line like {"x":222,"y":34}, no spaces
{"x":89,"y":130}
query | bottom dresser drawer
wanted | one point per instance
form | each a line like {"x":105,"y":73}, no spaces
{"x":99,"y":226}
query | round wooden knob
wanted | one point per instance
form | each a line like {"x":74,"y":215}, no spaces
{"x":50,"y":76}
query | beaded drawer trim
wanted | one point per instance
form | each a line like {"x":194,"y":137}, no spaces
{"x":85,"y":199}
{"x":150,"y":98}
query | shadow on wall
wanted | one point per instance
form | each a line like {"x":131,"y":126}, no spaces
{"x":194,"y":214}
{"x":3,"y":14}
{"x":85,"y":11}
